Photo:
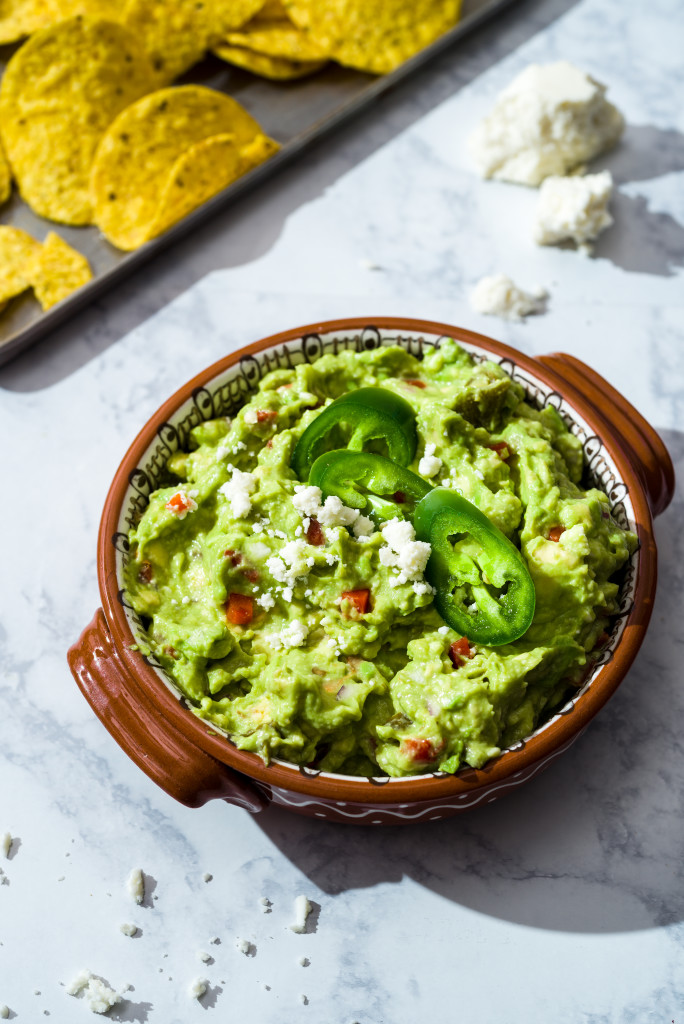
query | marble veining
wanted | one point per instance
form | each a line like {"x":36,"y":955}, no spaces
{"x":564,"y":901}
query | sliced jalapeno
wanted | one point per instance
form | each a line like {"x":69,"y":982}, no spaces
{"x":484,"y":589}
{"x":371,"y":483}
{"x":373,"y":414}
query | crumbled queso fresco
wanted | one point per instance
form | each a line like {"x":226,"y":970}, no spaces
{"x":307,"y":631}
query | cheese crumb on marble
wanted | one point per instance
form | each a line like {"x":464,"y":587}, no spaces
{"x":238,"y":490}
{"x":265,"y":904}
{"x":99,"y":997}
{"x":403,"y":552}
{"x":302,"y":910}
{"x":292,"y":635}
{"x":204,"y":957}
{"x":207,"y":877}
{"x":550,"y":119}
{"x":246,"y":947}
{"x":573,"y":209}
{"x":198,"y":987}
{"x":6,"y":844}
{"x":135,"y":885}
{"x":4,"y":1012}
{"x":128,"y":929}
{"x":498,"y":295}
{"x":430,"y":464}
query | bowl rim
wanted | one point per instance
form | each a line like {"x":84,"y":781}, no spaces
{"x":512,"y":763}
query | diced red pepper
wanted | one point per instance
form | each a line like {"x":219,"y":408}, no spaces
{"x":501,"y":449}
{"x":555,"y":533}
{"x":234,"y":556}
{"x":399,"y":497}
{"x":171,"y":651}
{"x":419,"y":750}
{"x":265,"y":415}
{"x":314,"y":533}
{"x":179,"y":503}
{"x":240,"y":609}
{"x":359,"y":599}
{"x":460,"y":652}
{"x":252,"y":575}
{"x":417,"y":383}
{"x":269,"y":443}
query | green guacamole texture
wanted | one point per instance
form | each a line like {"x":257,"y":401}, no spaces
{"x":311,"y":678}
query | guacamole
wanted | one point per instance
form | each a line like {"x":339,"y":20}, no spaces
{"x":308,"y":633}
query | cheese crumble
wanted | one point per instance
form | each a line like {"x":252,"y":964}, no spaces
{"x":238,"y":490}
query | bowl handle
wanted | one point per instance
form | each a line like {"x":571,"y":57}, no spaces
{"x":649,"y":455}
{"x":164,"y":753}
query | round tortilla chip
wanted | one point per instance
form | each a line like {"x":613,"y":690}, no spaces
{"x":272,"y":10}
{"x":374,"y":35}
{"x":59,"y":93}
{"x":57,"y":270}
{"x":276,"y":68}
{"x":205,"y":169}
{"x":19,"y":18}
{"x":17,"y":251}
{"x":278,"y":38}
{"x":177,"y":33}
{"x":140,"y":148}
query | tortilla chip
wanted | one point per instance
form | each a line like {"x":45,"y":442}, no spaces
{"x":57,"y":270}
{"x":5,"y":178}
{"x":257,"y":151}
{"x":19,"y":18}
{"x":374,"y":35}
{"x":107,"y":10}
{"x":268,"y":67}
{"x":139,"y":150}
{"x":177,"y":33}
{"x":59,"y":93}
{"x":17,"y":252}
{"x":278,"y":38}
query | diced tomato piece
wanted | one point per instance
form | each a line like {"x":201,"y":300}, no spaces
{"x":171,"y":651}
{"x":240,"y":609}
{"x":265,"y":415}
{"x":179,"y":503}
{"x":314,"y":533}
{"x":359,"y":599}
{"x":399,"y":497}
{"x":417,"y":383}
{"x":145,"y":572}
{"x":501,"y":449}
{"x":234,"y":556}
{"x":251,"y":575}
{"x":419,"y":750}
{"x":555,"y":533}
{"x":460,"y":652}
{"x":269,"y":443}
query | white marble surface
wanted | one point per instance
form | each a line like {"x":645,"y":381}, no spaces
{"x":562,"y":903}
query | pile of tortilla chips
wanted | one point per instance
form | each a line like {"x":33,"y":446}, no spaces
{"x":53,"y":269}
{"x":93,"y":131}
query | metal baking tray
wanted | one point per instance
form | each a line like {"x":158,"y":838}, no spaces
{"x":297,"y":114}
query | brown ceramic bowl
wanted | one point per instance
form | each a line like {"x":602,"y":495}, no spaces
{"x":193,"y":762}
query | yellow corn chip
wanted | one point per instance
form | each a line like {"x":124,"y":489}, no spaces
{"x":107,"y":10}
{"x":19,"y":18}
{"x":57,"y":270}
{"x":59,"y":93}
{"x":205,"y":169}
{"x":138,"y":152}
{"x":17,"y":251}
{"x":374,"y":35}
{"x":278,"y":38}
{"x":268,"y":67}
{"x":177,"y":33}
{"x":5,"y":178}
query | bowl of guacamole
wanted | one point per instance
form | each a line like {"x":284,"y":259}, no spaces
{"x":300,"y":641}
